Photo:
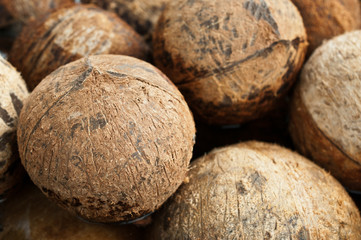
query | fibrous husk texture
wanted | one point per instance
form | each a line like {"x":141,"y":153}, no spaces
{"x":30,"y":215}
{"x":326,"y":108}
{"x":325,"y":19}
{"x":27,"y":10}
{"x":142,"y":15}
{"x":231,"y":59}
{"x":108,"y":137}
{"x":254,"y":190}
{"x":13,"y":92}
{"x":70,"y":34}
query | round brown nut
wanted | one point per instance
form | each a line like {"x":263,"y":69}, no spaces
{"x":108,"y":137}
{"x":142,"y":15}
{"x":30,"y":215}
{"x":326,"y":109}
{"x":12,"y":94}
{"x":69,"y":34}
{"x":326,"y":19}
{"x":27,"y":10}
{"x":231,"y":59}
{"x":255,"y":190}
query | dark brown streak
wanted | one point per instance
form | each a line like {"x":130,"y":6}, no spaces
{"x":4,"y":115}
{"x":144,"y":81}
{"x":331,"y":141}
{"x":17,"y":103}
{"x":232,"y":65}
{"x":80,"y":80}
{"x":47,"y":33}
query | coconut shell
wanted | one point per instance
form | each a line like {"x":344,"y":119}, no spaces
{"x":142,"y":15}
{"x":27,"y":10}
{"x":69,"y":34}
{"x":29,"y":215}
{"x":326,"y":109}
{"x":232,"y":60}
{"x":326,"y":19}
{"x":255,"y":190}
{"x":12,"y":94}
{"x":108,"y":137}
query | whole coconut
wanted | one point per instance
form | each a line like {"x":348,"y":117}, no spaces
{"x":232,"y":60}
{"x":325,"y":19}
{"x":69,"y":34}
{"x":27,"y":10}
{"x":29,"y":215}
{"x":13,"y":92}
{"x":325,"y":113}
{"x":108,"y":137}
{"x":255,"y":190}
{"x":142,"y":15}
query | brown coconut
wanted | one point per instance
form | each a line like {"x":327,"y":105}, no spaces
{"x":326,"y":109}
{"x":255,"y":190}
{"x":232,"y":60}
{"x":27,"y":10}
{"x":13,"y":92}
{"x":325,"y":19}
{"x":69,"y":34}
{"x":142,"y":15}
{"x":29,"y":215}
{"x":108,"y":137}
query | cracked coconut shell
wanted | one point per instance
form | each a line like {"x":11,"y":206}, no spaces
{"x":29,"y":215}
{"x":232,"y":60}
{"x":142,"y":15}
{"x":13,"y":92}
{"x":325,"y":19}
{"x":326,"y":109}
{"x":255,"y":190}
{"x":27,"y":10}
{"x":107,"y":137}
{"x":69,"y":34}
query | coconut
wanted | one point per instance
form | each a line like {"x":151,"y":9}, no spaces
{"x":13,"y":92}
{"x":108,"y":137}
{"x":232,"y":60}
{"x":326,"y":109}
{"x":326,"y":19}
{"x":255,"y":190}
{"x":142,"y":15}
{"x":27,"y":10}
{"x":69,"y":34}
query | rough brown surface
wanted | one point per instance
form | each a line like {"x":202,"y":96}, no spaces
{"x":325,"y":19}
{"x":27,"y":10}
{"x":12,"y":94}
{"x":142,"y":15}
{"x":326,"y":109}
{"x":70,"y":34}
{"x":254,"y":190}
{"x":231,"y":59}
{"x":29,"y":215}
{"x":108,"y":137}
